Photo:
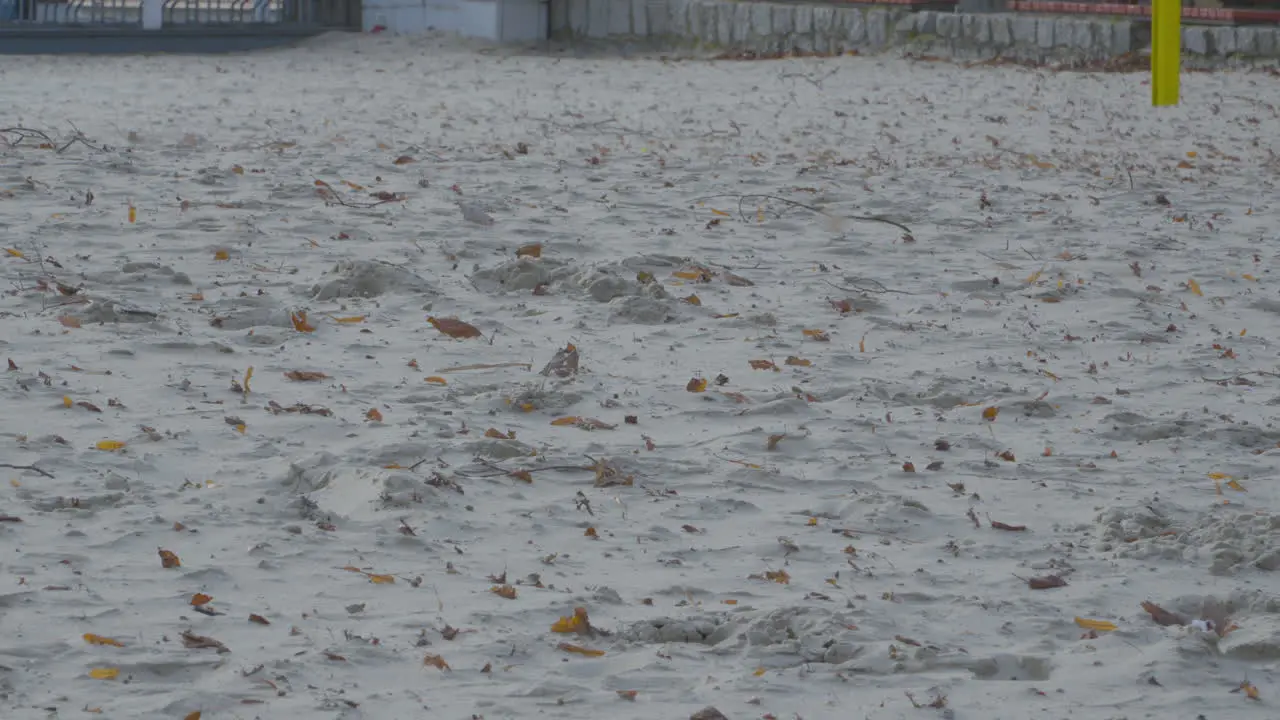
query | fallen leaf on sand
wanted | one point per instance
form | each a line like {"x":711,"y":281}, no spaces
{"x":109,"y":445}
{"x":579,"y":650}
{"x":533,"y":250}
{"x":1098,"y":625}
{"x":563,"y":364}
{"x":104,"y":673}
{"x":15,"y":253}
{"x":819,"y":335}
{"x":774,"y":440}
{"x":100,"y":640}
{"x":522,"y":475}
{"x":1250,"y":690}
{"x":69,"y":321}
{"x":454,"y":328}
{"x":435,"y":380}
{"x":1194,"y":287}
{"x":505,"y":591}
{"x":373,"y":415}
{"x":192,"y":641}
{"x":435,"y":661}
{"x":989,"y":414}
{"x":259,"y":620}
{"x":403,"y":160}
{"x":350,"y":320}
{"x":201,"y":599}
{"x":222,"y":256}
{"x":194,"y":715}
{"x":305,"y":375}
{"x":1046,"y":582}
{"x":578,"y":623}
{"x":299,"y":319}
{"x":1007,"y":527}
{"x":793,"y":360}
{"x":628,"y":694}
{"x":763,"y":365}
{"x":169,"y":559}
{"x":696,"y":385}
{"x":382,"y":579}
{"x":1162,"y":616}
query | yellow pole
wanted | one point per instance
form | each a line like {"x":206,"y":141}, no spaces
{"x":1166,"y":51}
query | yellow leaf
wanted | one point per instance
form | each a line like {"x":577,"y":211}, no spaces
{"x":382,"y":579}
{"x":100,"y":640}
{"x":15,"y":253}
{"x":575,"y":623}
{"x":1218,"y":476}
{"x":693,"y":300}
{"x":793,"y":360}
{"x":819,"y":335}
{"x":579,"y":650}
{"x":779,"y":576}
{"x":1098,"y":625}
{"x":222,"y":256}
{"x":1191,"y":153}
{"x":109,"y":445}
{"x":66,"y":401}
{"x":133,"y":214}
{"x":758,"y":672}
{"x":1250,"y":690}
{"x":104,"y":673}
{"x":533,"y":250}
{"x":721,"y":213}
{"x":989,"y":414}
{"x":1194,"y":287}
{"x":248,"y":375}
{"x":300,"y":323}
{"x":687,"y":275}
{"x":1033,"y":277}
{"x":350,"y":320}
{"x":567,"y":420}
{"x":1235,"y":485}
{"x":697,"y":385}
{"x":812,"y":522}
{"x":1243,"y":331}
{"x":436,"y":380}
{"x":1249,"y":277}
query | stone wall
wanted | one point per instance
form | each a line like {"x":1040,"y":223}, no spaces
{"x":728,"y":26}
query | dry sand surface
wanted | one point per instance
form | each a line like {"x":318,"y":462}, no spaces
{"x":922,"y":465}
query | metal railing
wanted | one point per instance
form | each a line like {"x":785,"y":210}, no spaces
{"x":99,"y":13}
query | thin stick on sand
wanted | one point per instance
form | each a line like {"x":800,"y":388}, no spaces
{"x":909,"y":237}
{"x":486,"y":366}
{"x":32,"y":468}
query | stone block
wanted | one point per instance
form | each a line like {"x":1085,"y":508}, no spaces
{"x":1001,"y":31}
{"x":1268,"y":42}
{"x":761,"y":20}
{"x":926,"y":22}
{"x":825,"y":36}
{"x":1085,"y":34}
{"x":640,"y":17}
{"x":1247,"y":41}
{"x":969,"y":26}
{"x":707,"y":19}
{"x":676,"y":21}
{"x":853,"y":24}
{"x":877,"y":27}
{"x":619,"y":17}
{"x":741,"y":24}
{"x":1195,"y":40}
{"x":905,"y":29}
{"x":784,"y":20}
{"x":1024,"y":30}
{"x":802,"y":38}
{"x":1224,"y":41}
{"x":578,"y":17}
{"x":724,"y":23}
{"x":982,"y":33}
{"x":1063,"y":30}
{"x":1120,"y":38}
{"x":1044,"y":32}
{"x":559,"y":20}
{"x":598,"y":18}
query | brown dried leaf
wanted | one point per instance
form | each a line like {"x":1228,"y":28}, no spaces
{"x":504,"y":591}
{"x":1046,"y":582}
{"x":763,"y":365}
{"x":1162,"y":616}
{"x":69,"y":321}
{"x":793,"y":360}
{"x":300,"y":323}
{"x":196,"y":642}
{"x":201,"y":599}
{"x":774,"y":440}
{"x":533,"y":250}
{"x":1005,"y":526}
{"x":454,"y":328}
{"x":259,"y":620}
{"x":373,"y":415}
{"x":305,"y":375}
{"x":436,"y":662}
{"x":168,"y":559}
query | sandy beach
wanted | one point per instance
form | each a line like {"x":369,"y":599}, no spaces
{"x":340,"y":378}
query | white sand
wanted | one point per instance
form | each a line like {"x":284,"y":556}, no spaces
{"x":1072,"y":165}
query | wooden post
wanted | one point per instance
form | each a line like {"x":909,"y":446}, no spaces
{"x":1166,"y":51}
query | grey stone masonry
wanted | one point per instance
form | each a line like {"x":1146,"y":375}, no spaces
{"x":763,"y":27}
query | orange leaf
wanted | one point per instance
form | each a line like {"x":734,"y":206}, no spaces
{"x":697,"y":385}
{"x":100,"y":640}
{"x":435,"y":661}
{"x":819,"y":335}
{"x":533,"y":250}
{"x":169,"y":559}
{"x":495,"y":433}
{"x":104,"y":673}
{"x":505,"y":591}
{"x":763,"y":365}
{"x":373,"y":415}
{"x":382,"y":579}
{"x":69,"y":321}
{"x":989,"y":414}
{"x":567,"y":420}
{"x":222,"y":256}
{"x":201,"y":599}
{"x":524,"y":475}
{"x":579,"y":650}
{"x":350,"y":320}
{"x":259,"y":620}
{"x":454,"y":328}
{"x":1194,"y":287}
{"x":793,"y":360}
{"x":436,"y":380}
{"x":300,"y":323}
{"x":1098,"y":625}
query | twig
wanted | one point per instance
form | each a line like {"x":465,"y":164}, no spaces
{"x":879,"y":287}
{"x":32,"y":468}
{"x":486,"y":366}
{"x":498,"y":470}
{"x":811,"y":208}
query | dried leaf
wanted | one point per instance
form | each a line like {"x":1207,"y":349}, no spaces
{"x":578,"y":623}
{"x":908,"y":467}
{"x":763,"y":365}
{"x":222,"y":256}
{"x":989,"y":414}
{"x":454,"y":328}
{"x":579,"y":650}
{"x":819,"y":335}
{"x":591,"y":533}
{"x":435,"y":380}
{"x":69,"y":321}
{"x":1007,"y":527}
{"x":1097,"y":625}
{"x":191,"y":641}
{"x":774,"y":440}
{"x":563,"y":364}
{"x":533,"y":250}
{"x":201,"y":599}
{"x":793,"y":360}
{"x":350,"y":320}
{"x":1007,"y":456}
{"x":382,"y":579}
{"x":504,"y":591}
{"x":1046,"y":582}
{"x":259,"y":620}
{"x":696,"y":385}
{"x":436,"y":662}
{"x":104,"y":673}
{"x":1162,"y":616}
{"x":15,"y":253}
{"x":1250,"y":690}
{"x":169,"y":559}
{"x":305,"y":375}
{"x":566,"y":420}
{"x":403,"y":160}
{"x":522,"y":475}
{"x":197,"y":714}
{"x":101,"y":640}
{"x":627,"y":694}
{"x":109,"y":445}
{"x":373,"y":415}
{"x":1194,"y":287}
{"x":299,"y":319}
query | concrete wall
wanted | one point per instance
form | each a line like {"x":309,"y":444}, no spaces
{"x":498,"y":20}
{"x":769,"y":28}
